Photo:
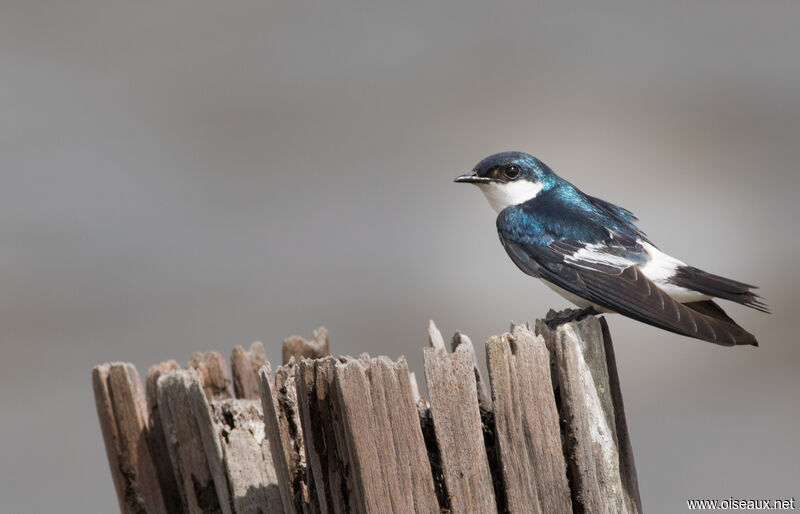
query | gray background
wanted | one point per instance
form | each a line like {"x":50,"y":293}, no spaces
{"x":194,"y":176}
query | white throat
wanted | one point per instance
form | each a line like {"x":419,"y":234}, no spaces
{"x":505,"y":195}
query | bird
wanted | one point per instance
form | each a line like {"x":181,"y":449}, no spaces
{"x":592,"y":253}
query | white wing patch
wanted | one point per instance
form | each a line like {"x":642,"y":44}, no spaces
{"x":597,"y":254}
{"x":660,"y":268}
{"x":501,"y":196}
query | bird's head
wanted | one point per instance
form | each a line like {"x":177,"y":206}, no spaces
{"x":510,"y":178}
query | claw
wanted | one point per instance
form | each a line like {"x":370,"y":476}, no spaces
{"x":555,"y":319}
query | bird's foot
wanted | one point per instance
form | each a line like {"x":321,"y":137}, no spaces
{"x":554,"y":319}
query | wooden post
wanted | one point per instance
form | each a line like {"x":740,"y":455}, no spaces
{"x":218,"y":447}
{"x":454,"y":395}
{"x":122,"y":411}
{"x":281,"y":417}
{"x":184,"y":442}
{"x":526,"y":424}
{"x":322,"y":435}
{"x":213,"y":373}
{"x":627,"y":466}
{"x":245,"y":365}
{"x":191,"y":467}
{"x":233,"y":438}
{"x":385,"y":450}
{"x":173,"y":495}
{"x":299,"y":348}
{"x":344,"y":435}
{"x":484,"y":398}
{"x":601,"y":468}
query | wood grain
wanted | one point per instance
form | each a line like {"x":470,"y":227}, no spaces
{"x":588,"y":408}
{"x":213,"y":372}
{"x":240,"y":462}
{"x":345,"y":435}
{"x":526,"y":423}
{"x":484,"y":398}
{"x":158,"y":442}
{"x":457,"y":426}
{"x":281,"y":418}
{"x":185,"y":444}
{"x":319,"y":420}
{"x":122,"y":412}
{"x":245,"y":365}
{"x":385,"y":449}
{"x":627,"y":467}
{"x":299,"y":348}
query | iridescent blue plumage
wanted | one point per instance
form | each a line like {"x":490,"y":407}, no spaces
{"x":592,"y":252}
{"x":562,"y":211}
{"x":559,"y":210}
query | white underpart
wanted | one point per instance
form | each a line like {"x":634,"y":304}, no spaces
{"x":505,"y":195}
{"x":660,"y":268}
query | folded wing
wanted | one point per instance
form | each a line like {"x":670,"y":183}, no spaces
{"x":607,"y":274}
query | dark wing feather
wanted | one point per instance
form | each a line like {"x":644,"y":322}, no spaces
{"x":615,"y":210}
{"x":624,"y":290}
{"x":710,"y":308}
{"x":720,"y":287}
{"x":619,"y":214}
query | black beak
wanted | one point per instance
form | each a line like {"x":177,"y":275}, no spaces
{"x":472,"y":178}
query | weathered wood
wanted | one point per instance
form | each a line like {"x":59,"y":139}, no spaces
{"x":299,"y":348}
{"x":210,"y":434}
{"x":122,"y":412}
{"x":386,"y":453}
{"x":245,"y":365}
{"x":153,"y":374}
{"x":282,"y":422}
{"x":419,"y":400}
{"x":526,"y":424}
{"x":158,"y":442}
{"x":627,"y":467}
{"x":233,"y":437}
{"x":314,"y":381}
{"x":184,"y":442}
{"x":355,"y":435}
{"x":587,"y":406}
{"x":213,"y":373}
{"x":484,"y":398}
{"x":248,"y":460}
{"x":435,"y":338}
{"x":457,"y":426}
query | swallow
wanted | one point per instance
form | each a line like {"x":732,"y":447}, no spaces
{"x":592,"y":253}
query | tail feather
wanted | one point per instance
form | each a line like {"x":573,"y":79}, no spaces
{"x":730,"y":328}
{"x":717,"y":286}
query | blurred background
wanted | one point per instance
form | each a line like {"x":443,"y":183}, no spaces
{"x":192,"y":176}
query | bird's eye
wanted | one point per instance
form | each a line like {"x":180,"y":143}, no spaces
{"x":511,"y":172}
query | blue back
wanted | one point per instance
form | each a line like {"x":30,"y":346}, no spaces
{"x":563,"y":212}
